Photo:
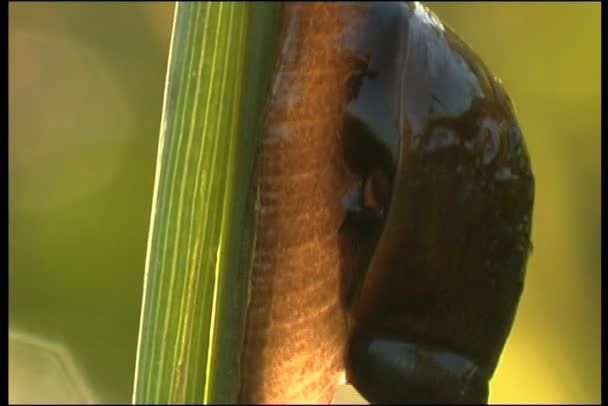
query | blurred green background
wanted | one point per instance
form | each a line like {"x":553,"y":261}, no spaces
{"x":86,"y":84}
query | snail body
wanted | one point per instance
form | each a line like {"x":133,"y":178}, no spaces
{"x":296,"y":326}
{"x":394,"y":214}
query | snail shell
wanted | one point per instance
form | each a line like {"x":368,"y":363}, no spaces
{"x":394,"y":212}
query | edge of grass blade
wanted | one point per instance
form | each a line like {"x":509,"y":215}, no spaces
{"x":262,"y":33}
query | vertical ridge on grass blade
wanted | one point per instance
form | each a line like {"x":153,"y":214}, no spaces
{"x":195,"y":284}
{"x":263,"y":25}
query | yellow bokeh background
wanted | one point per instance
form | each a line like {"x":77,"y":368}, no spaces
{"x":85,"y":94}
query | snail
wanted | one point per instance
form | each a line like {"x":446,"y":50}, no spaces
{"x":394,"y":213}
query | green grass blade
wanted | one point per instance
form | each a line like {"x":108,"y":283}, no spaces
{"x":201,"y":233}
